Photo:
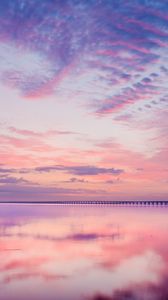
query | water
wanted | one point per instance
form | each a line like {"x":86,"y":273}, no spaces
{"x":83,"y":252}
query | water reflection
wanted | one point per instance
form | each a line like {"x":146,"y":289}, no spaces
{"x":77,"y":252}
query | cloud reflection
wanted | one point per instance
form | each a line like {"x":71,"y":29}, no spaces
{"x":107,"y":253}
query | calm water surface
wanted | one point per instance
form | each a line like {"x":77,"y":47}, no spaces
{"x":83,"y":252}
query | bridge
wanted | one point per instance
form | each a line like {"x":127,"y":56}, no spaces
{"x":114,"y":203}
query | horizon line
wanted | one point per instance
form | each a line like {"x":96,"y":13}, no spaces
{"x":90,"y":202}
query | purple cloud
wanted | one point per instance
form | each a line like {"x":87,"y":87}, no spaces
{"x":148,"y":290}
{"x":37,"y":190}
{"x":114,"y":43}
{"x":6,"y":170}
{"x":81,"y":170}
{"x":12,"y":180}
{"x":142,"y":90}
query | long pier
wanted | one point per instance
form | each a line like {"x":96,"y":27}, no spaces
{"x":96,"y":202}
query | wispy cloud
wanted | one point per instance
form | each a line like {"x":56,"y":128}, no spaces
{"x":31,"y":133}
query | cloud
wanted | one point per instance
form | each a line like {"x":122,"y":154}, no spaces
{"x":34,"y":192}
{"x":37,"y":190}
{"x":157,"y":291}
{"x":81,"y":170}
{"x":78,"y":236}
{"x":31,"y":133}
{"x":6,"y":170}
{"x":128,"y":95}
{"x":29,"y":268}
{"x":124,"y":117}
{"x":31,"y":143}
{"x":25,"y":70}
{"x":76,"y":180}
{"x":97,"y":55}
{"x":93,"y":236}
{"x":25,"y":275}
{"x":13,"y":180}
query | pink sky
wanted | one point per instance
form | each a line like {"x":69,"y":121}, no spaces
{"x":83,"y":106}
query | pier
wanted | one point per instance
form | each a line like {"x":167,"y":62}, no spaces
{"x":147,"y":203}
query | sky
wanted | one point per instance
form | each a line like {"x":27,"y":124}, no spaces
{"x":83,"y":100}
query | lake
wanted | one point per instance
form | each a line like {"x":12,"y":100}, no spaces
{"x":78,"y":252}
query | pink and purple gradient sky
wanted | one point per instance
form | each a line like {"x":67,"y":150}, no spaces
{"x":83,"y":106}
